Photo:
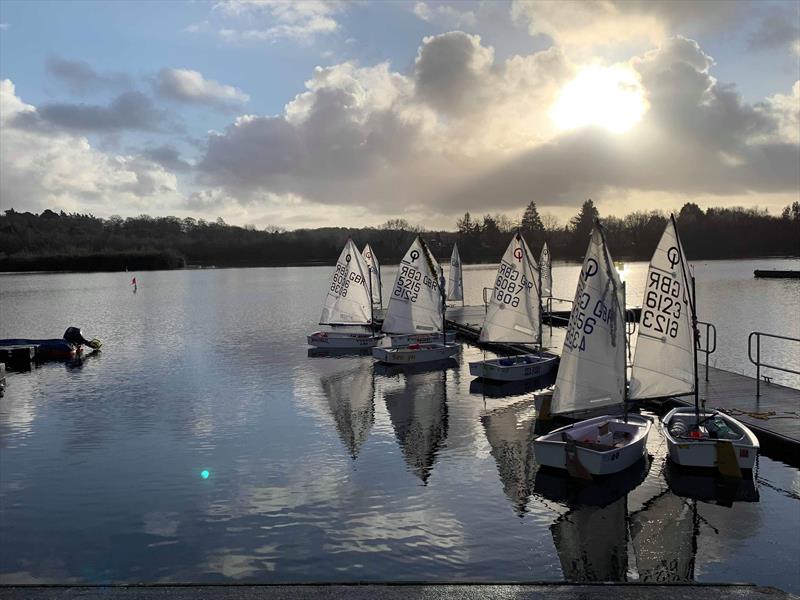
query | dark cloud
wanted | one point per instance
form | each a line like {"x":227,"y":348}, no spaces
{"x":80,"y":78}
{"x":128,"y":111}
{"x":699,"y":137}
{"x":451,"y":72}
{"x":168,"y":157}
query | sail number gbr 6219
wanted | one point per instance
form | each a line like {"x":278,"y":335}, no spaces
{"x":663,"y":305}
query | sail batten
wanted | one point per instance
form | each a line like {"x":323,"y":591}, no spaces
{"x":415,"y":305}
{"x":663,"y":364}
{"x":375,"y":274}
{"x":348,"y":301}
{"x":455,"y":284}
{"x":592,"y":369}
{"x":514,"y":311}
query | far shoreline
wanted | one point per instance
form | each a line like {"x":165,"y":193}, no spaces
{"x":444,"y":262}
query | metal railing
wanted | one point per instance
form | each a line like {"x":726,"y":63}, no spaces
{"x":757,"y":362}
{"x":710,"y":338}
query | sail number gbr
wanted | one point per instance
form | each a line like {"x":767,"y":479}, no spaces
{"x":341,"y":280}
{"x":663,"y":305}
{"x":409,"y":283}
{"x":510,"y":283}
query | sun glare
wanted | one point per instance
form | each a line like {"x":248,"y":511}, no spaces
{"x":610,"y":97}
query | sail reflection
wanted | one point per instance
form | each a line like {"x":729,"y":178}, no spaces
{"x":350,"y":399}
{"x":664,"y":539}
{"x":591,"y":539}
{"x":591,"y":543}
{"x":418,"y":412}
{"x":510,"y":432}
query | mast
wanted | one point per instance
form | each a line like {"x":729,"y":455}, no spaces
{"x":380,"y":287}
{"x":696,"y":336}
{"x":625,"y":361}
{"x":444,"y":305}
{"x":371,"y":303}
{"x":693,"y":309}
{"x":539,"y":270}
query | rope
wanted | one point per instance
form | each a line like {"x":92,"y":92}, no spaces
{"x":762,"y":416}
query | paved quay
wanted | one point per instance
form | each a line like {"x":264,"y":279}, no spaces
{"x":536,"y":591}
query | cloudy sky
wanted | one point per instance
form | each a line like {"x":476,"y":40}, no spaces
{"x":350,"y":113}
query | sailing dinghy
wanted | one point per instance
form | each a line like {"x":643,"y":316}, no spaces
{"x":592,"y":376}
{"x":348,"y":303}
{"x":665,"y":364}
{"x":416,"y":311}
{"x":375,"y":275}
{"x":455,"y":283}
{"x":514,"y":316}
{"x":546,"y":269}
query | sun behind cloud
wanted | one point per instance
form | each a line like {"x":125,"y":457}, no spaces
{"x":610,"y":97}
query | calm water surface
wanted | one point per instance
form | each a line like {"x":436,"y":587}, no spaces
{"x":324,"y":469}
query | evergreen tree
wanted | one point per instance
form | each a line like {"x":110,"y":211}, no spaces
{"x":582,"y":223}
{"x":531,"y":221}
{"x":466,"y":225}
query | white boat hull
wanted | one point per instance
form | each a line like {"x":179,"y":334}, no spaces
{"x":516,"y":368}
{"x":400,"y":340}
{"x":343,"y":339}
{"x":690,"y":452}
{"x":415,"y":354}
{"x":551,"y":449}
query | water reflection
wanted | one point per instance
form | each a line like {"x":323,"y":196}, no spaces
{"x":338,"y":352}
{"x":592,"y":543}
{"x":493,"y":389}
{"x":709,"y":487}
{"x":510,"y":433}
{"x":101,"y":464}
{"x":350,"y":399}
{"x":418,"y":412}
{"x":664,"y":539}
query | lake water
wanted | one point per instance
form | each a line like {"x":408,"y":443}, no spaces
{"x":331,"y":469}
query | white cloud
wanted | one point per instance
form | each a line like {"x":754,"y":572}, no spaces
{"x":185,"y":85}
{"x":270,"y":20}
{"x":5,"y":26}
{"x":587,"y":23}
{"x":57,"y":169}
{"x":444,"y":14}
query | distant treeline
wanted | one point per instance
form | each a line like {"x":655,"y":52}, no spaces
{"x":78,"y":242}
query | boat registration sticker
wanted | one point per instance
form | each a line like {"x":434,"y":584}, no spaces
{"x":744,"y":453}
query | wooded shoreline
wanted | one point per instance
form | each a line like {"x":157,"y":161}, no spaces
{"x":53,"y":241}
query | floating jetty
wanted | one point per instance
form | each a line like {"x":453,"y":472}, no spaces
{"x":772,"y":274}
{"x":771,"y":410}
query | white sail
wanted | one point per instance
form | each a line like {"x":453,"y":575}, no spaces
{"x":348,"y":301}
{"x":455,"y":284}
{"x":546,"y":268}
{"x":592,"y":369}
{"x":415,"y":305}
{"x":664,"y":361}
{"x":375,"y":274}
{"x":513,"y":312}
